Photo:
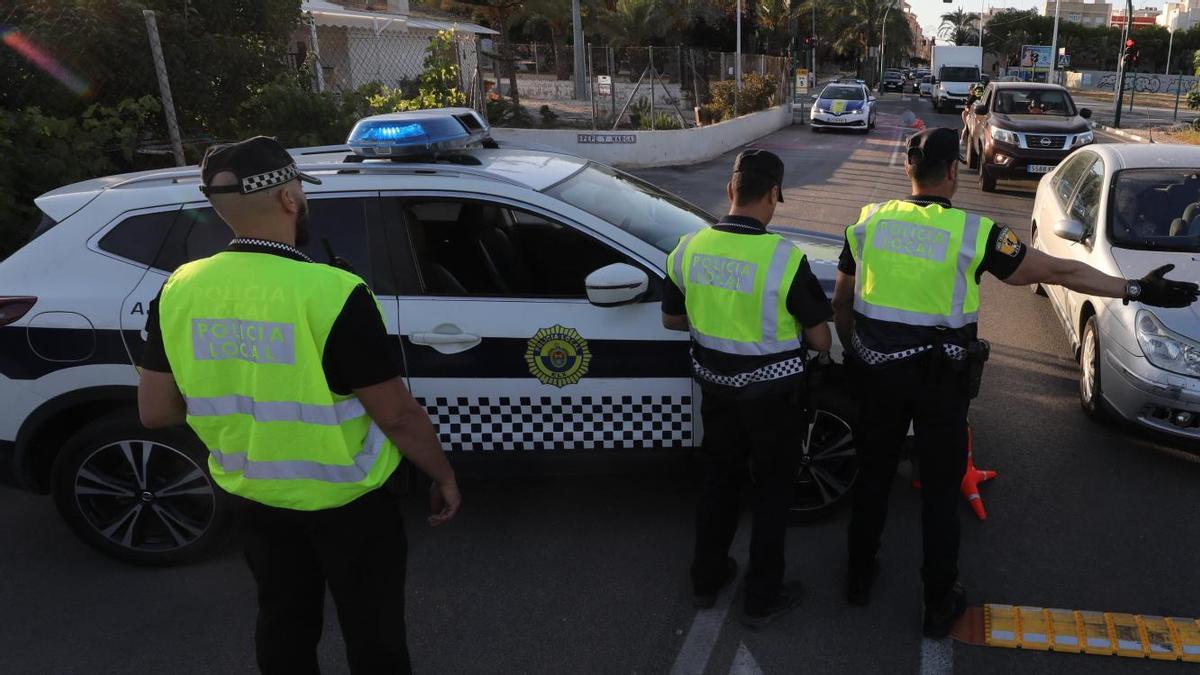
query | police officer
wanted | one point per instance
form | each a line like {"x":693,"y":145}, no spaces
{"x":907,"y":302}
{"x":283,"y":369}
{"x":753,"y":306}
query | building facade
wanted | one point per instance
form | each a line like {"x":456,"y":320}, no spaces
{"x":1142,"y":18}
{"x":1179,"y":14}
{"x":1085,"y":13}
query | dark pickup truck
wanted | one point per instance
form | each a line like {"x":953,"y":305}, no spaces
{"x":1022,"y":130}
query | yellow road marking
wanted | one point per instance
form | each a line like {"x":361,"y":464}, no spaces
{"x":1107,"y":633}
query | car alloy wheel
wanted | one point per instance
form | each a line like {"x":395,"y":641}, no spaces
{"x":1090,"y":388}
{"x":828,"y":466}
{"x":145,"y":496}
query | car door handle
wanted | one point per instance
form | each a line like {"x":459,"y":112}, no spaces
{"x":447,"y":339}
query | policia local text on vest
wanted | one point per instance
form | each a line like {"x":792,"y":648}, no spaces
{"x":752,"y":306}
{"x":907,"y":302}
{"x":282,"y":367}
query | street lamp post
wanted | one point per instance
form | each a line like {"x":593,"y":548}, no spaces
{"x":1170,"y":44}
{"x":737,"y":66}
{"x":882,"y":42}
{"x":1054,"y":44}
{"x":814,"y":43}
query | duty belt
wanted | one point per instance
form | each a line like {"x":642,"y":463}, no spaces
{"x":774,"y":371}
{"x":874,"y":358}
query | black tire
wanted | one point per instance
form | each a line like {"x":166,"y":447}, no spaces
{"x":987,"y":181}
{"x":167,"y":512}
{"x":1091,"y":397}
{"x":828,"y":467}
{"x":1036,"y":288}
{"x":813,"y":128}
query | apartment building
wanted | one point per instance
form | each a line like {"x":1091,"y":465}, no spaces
{"x":1086,"y":13}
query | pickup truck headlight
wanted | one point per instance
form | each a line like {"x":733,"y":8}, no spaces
{"x":1085,"y":138}
{"x":1005,"y":136}
{"x":1165,"y":349}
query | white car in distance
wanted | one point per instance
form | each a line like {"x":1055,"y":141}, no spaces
{"x":1126,"y":210}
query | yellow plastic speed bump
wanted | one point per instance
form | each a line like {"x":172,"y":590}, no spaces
{"x":1096,"y":636}
{"x":1129,"y":637}
{"x":1066,"y":632}
{"x":1000,"y":625}
{"x":1187,"y":636}
{"x":1159,"y":638}
{"x":1035,"y":630}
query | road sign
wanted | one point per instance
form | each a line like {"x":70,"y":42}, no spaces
{"x":802,"y":80}
{"x":1064,"y":60}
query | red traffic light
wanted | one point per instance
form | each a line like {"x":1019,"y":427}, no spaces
{"x":1129,"y":43}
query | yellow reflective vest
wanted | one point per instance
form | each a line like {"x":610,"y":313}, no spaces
{"x":245,"y":334}
{"x":917,"y":265}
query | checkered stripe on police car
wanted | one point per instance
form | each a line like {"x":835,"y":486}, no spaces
{"x":561,"y":422}
{"x":263,"y":181}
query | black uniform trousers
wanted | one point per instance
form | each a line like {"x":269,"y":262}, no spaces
{"x":360,"y":551}
{"x":767,"y":432}
{"x":933,"y":396}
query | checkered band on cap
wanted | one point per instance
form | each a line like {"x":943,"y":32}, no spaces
{"x":269,"y":179}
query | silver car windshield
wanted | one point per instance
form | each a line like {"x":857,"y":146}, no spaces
{"x":1156,"y":209}
{"x":648,"y":213}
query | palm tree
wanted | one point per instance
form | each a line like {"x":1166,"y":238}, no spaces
{"x":959,"y":27}
{"x":774,"y":17}
{"x":555,"y":15}
{"x":500,"y":14}
{"x":858,"y":28}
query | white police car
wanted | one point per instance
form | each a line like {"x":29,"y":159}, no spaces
{"x":843,"y":105}
{"x":522,"y":288}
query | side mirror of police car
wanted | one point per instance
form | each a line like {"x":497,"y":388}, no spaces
{"x":1070,"y":229}
{"x":616,"y":284}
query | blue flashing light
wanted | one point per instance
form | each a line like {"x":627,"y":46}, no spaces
{"x":414,"y":133}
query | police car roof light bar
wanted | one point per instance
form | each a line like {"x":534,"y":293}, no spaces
{"x":419,"y":132}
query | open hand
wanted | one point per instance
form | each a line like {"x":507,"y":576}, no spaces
{"x":1161,"y":292}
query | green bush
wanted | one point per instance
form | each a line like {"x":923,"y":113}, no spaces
{"x":662,"y":121}
{"x":758,"y":93}
{"x":502,"y":113}
{"x":437,"y":87}
{"x":39,"y":152}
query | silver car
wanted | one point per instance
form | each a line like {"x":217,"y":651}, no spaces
{"x":925,"y":88}
{"x":1126,"y":210}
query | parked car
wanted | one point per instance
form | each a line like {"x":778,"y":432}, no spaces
{"x":1126,"y":210}
{"x":482,"y":260}
{"x":843,"y":106}
{"x":925,"y":87}
{"x":1021,"y":131}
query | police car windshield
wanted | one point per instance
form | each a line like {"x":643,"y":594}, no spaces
{"x":843,"y":93}
{"x":648,"y":213}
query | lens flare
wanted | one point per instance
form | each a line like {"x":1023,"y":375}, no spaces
{"x":45,"y":62}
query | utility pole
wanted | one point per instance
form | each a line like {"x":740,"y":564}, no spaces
{"x":1121,"y":65}
{"x":1054,"y":45}
{"x":814,"y":44}
{"x":737,"y":66}
{"x":882,"y":42}
{"x":164,"y":86}
{"x":581,"y":89}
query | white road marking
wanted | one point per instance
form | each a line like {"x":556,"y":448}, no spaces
{"x":937,"y":656}
{"x":702,"y":637}
{"x":744,"y":663}
{"x":896,"y":150}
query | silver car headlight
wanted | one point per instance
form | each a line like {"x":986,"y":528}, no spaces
{"x":1085,"y":138}
{"x":1005,"y":136}
{"x":1166,"y":349}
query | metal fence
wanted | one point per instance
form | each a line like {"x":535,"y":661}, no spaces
{"x":630,"y":87}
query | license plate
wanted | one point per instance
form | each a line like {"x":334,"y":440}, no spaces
{"x":1040,"y":168}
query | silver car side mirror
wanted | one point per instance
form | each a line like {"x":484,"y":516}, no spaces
{"x":1070,"y":229}
{"x":615,"y":285}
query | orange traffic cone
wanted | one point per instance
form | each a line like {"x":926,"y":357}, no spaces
{"x":972,"y":478}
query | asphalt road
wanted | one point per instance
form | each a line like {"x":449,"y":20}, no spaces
{"x":580,"y":566}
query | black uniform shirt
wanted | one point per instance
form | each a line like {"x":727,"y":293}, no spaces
{"x":358,"y":351}
{"x":805,"y":300}
{"x":1002,"y":256}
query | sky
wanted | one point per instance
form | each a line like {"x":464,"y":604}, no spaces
{"x":928,"y":11}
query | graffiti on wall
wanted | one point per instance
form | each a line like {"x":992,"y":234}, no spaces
{"x":1140,"y":82}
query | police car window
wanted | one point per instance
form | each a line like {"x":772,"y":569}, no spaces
{"x":200,"y":233}
{"x":648,"y":213}
{"x":490,"y":249}
{"x":843,"y":93}
{"x":139,"y":237}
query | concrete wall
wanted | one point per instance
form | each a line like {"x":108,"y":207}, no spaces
{"x":645,"y":149}
{"x":564,"y":90}
{"x":1145,"y":82}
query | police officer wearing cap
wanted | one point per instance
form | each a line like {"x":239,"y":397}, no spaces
{"x":907,"y":304}
{"x":282,"y":367}
{"x":753,"y":307}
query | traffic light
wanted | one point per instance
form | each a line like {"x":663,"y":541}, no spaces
{"x":809,"y":41}
{"x":1130,"y":53}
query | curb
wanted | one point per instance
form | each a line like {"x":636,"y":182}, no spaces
{"x":1123,"y":134}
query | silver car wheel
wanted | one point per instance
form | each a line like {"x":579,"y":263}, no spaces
{"x":1087,"y":366}
{"x":145,"y":496}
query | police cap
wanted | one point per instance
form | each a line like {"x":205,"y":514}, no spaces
{"x":762,"y":162}
{"x":259,"y":163}
{"x":936,"y":144}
